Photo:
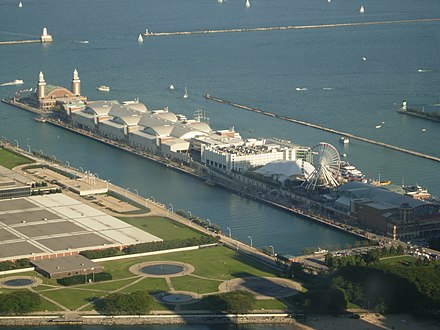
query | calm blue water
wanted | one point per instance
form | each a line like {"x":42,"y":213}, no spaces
{"x":261,"y":69}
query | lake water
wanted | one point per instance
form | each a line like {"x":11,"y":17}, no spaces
{"x":261,"y":69}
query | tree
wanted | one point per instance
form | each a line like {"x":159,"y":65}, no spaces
{"x":19,"y":302}
{"x":135,"y":303}
{"x":237,"y":302}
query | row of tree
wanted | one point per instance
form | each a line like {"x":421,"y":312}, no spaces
{"x":20,"y":263}
{"x":19,"y":302}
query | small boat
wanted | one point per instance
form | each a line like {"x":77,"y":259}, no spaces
{"x":15,"y":82}
{"x":300,"y":89}
{"x":362,"y":10}
{"x":172,"y":87}
{"x":146,"y":32}
{"x":344,"y":140}
{"x":20,"y":4}
{"x":185,"y":95}
{"x":83,"y":41}
{"x":220,"y":1}
{"x":378,"y":126}
{"x":364,"y":58}
{"x":248,"y":3}
{"x":104,"y":88}
{"x":210,"y":183}
{"x":140,"y":39}
{"x":423,"y":129}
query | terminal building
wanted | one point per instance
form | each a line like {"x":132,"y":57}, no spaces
{"x":388,"y":213}
{"x":48,"y":97}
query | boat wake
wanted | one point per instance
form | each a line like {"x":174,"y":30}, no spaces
{"x":423,"y":70}
{"x":11,"y":83}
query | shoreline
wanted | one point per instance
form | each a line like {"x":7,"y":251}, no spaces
{"x":151,"y":319}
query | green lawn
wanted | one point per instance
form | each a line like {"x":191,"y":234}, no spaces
{"x":72,"y":298}
{"x":193,"y":284}
{"x":164,"y":228}
{"x":152,"y":285}
{"x":9,"y":159}
{"x":215,"y":264}
{"x":398,"y":260}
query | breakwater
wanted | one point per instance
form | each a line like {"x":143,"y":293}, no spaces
{"x":420,"y":114}
{"x":18,"y":42}
{"x":322,"y":128}
{"x":290,"y":27}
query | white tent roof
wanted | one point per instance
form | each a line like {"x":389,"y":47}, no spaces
{"x":286,"y":168}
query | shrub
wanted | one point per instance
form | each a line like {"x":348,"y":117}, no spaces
{"x":81,"y":279}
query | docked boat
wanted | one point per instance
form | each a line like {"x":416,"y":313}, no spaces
{"x":351,"y":173}
{"x":344,"y":140}
{"x":185,"y":95}
{"x":104,"y":88}
{"x":362,"y":10}
{"x":416,"y":191}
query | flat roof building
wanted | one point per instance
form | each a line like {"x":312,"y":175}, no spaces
{"x":66,"y":266}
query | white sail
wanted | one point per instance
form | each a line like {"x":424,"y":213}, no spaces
{"x":185,"y":95}
{"x":140,"y":39}
{"x":362,"y":9}
{"x":20,"y":4}
{"x":248,"y":3}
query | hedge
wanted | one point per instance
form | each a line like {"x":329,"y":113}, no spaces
{"x":81,"y":279}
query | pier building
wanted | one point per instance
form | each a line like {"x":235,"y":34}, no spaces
{"x":389,"y":213}
{"x":48,"y":97}
{"x":249,"y":153}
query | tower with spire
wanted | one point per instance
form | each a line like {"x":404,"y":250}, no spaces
{"x":41,"y":86}
{"x":76,"y":84}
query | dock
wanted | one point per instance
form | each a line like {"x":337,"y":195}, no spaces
{"x":290,"y":27}
{"x":322,"y":128}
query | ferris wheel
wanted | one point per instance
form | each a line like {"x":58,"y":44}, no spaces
{"x":327,"y":167}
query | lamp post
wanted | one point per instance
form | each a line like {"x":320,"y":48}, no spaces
{"x":16,"y":141}
{"x":230,"y":233}
{"x":190,"y":214}
{"x":108,"y":183}
{"x":251,"y":241}
{"x":126,"y":191}
{"x":29,"y":148}
{"x":136,"y":192}
{"x":153,"y":199}
{"x":54,"y":158}
{"x":209,"y":222}
{"x":93,"y":274}
{"x":81,"y":169}
{"x":68,"y":164}
{"x":171,"y":207}
{"x":273,"y":250}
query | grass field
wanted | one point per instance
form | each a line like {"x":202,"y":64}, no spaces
{"x":212,"y":266}
{"x":398,"y":260}
{"x":164,"y":228}
{"x":9,"y":159}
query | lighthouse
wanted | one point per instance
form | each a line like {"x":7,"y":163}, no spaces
{"x":76,"y":84}
{"x":45,"y":37}
{"x":41,"y":86}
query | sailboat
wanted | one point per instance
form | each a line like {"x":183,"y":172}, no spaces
{"x":171,"y":87}
{"x":362,"y":9}
{"x":20,"y":4}
{"x":248,"y":3}
{"x":140,"y":39}
{"x":185,"y":95}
